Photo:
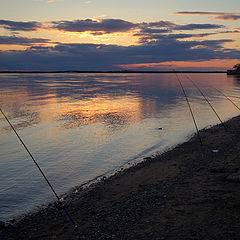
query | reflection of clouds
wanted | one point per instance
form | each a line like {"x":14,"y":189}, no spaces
{"x":14,"y":106}
{"x":72,"y":100}
{"x":20,"y":121}
{"x":30,"y":120}
{"x":77,"y":100}
{"x":19,"y":108}
{"x":77,"y":119}
{"x":26,"y":121}
{"x":110,"y":112}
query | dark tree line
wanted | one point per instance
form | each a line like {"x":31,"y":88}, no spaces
{"x":237,"y":67}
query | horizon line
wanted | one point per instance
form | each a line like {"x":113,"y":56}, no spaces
{"x":112,"y":71}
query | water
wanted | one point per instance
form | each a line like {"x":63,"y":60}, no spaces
{"x":79,"y":126}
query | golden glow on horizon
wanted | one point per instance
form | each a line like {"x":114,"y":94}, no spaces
{"x":5,"y":47}
{"x":120,"y":38}
{"x":216,"y":63}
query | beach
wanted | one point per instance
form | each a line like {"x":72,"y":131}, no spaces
{"x":189,"y":192}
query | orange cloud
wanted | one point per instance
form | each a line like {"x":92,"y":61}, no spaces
{"x":55,"y":1}
{"x":7,"y":47}
{"x":210,"y":64}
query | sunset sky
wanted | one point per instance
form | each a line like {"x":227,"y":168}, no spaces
{"x":116,"y":35}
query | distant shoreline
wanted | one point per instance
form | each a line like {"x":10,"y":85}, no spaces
{"x":123,"y":71}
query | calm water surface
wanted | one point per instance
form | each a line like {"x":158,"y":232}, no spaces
{"x":79,"y":126}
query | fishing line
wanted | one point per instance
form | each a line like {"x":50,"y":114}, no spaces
{"x":234,"y":96}
{"x":231,"y":139}
{"x":208,"y":102}
{"x":189,"y":106}
{"x":41,"y":171}
{"x":227,"y":98}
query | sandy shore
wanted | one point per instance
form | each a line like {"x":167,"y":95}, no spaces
{"x":190,"y":192}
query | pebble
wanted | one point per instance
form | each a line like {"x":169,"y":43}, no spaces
{"x":235,"y":177}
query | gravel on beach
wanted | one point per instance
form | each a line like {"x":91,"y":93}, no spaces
{"x":190,"y":192}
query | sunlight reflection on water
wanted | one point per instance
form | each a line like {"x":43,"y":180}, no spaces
{"x":79,"y":126}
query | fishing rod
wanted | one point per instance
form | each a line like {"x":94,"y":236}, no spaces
{"x":189,"y":106}
{"x":220,"y":120}
{"x":41,"y":171}
{"x":232,"y":140}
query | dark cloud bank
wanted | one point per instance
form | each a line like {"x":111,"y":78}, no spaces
{"x":13,"y":40}
{"x":106,"y":57}
{"x":19,"y":26}
{"x":103,"y":26}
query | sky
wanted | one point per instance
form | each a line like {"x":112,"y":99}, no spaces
{"x":119,"y":35}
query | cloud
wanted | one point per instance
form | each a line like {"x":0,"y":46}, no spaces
{"x":19,"y":26}
{"x":109,"y":57}
{"x":213,"y":65}
{"x":198,"y":26}
{"x":12,"y":40}
{"x":172,"y":26}
{"x":154,"y":37}
{"x":158,"y":30}
{"x":104,"y":26}
{"x":216,"y":15}
{"x":231,"y":31}
{"x":160,"y":24}
{"x":148,"y":30}
{"x":90,"y":25}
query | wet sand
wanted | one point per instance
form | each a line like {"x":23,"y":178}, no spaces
{"x":190,"y":192}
